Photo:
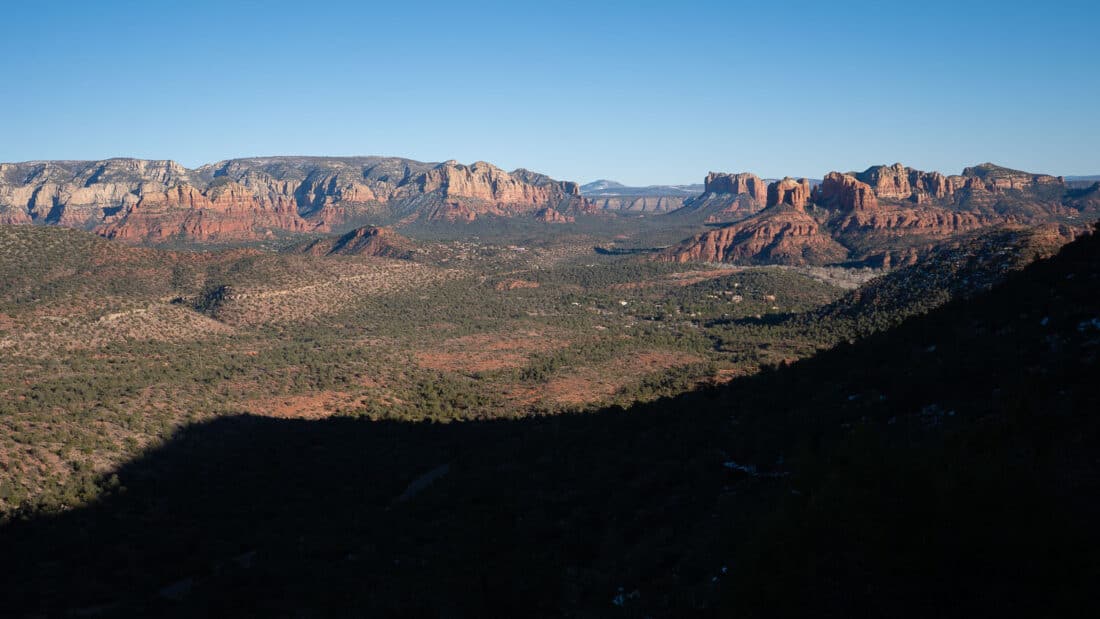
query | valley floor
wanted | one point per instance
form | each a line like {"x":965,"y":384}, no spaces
{"x":502,"y":430}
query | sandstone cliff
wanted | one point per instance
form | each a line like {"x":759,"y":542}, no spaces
{"x":789,"y":191}
{"x":743,"y":183}
{"x":885,"y":215}
{"x":844,"y":192}
{"x":726,"y":197}
{"x":249,"y":198}
{"x":782,"y":234}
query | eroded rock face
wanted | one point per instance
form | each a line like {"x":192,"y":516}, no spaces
{"x":980,"y":185}
{"x":789,"y":191}
{"x":742,"y":183}
{"x":727,"y":197}
{"x":781,"y":234}
{"x":249,"y":198}
{"x":844,"y":192}
{"x":552,"y":216}
{"x":936,"y":221}
{"x":998,"y":177}
{"x":888,"y":181}
{"x":482,"y":181}
{"x":226,"y":212}
{"x":885,"y":215}
{"x":637,"y":204}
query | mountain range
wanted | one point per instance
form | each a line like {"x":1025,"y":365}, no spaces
{"x":245,"y":199}
{"x":613,"y":196}
{"x":881,"y":216}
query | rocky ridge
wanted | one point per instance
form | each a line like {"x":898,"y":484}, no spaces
{"x":781,"y":234}
{"x":244,"y":199}
{"x":365,"y":241}
{"x":884,"y":216}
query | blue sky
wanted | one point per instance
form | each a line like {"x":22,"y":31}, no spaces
{"x":640,"y":92}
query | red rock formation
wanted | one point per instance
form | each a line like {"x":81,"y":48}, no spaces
{"x":551,"y":216}
{"x":890,"y":182}
{"x":743,"y":183}
{"x":923,"y":220}
{"x":996,"y":177}
{"x":501,"y":192}
{"x":782,"y":234}
{"x":928,"y":185}
{"x":227,"y":211}
{"x":365,"y":241}
{"x":242,"y":198}
{"x":789,"y":191}
{"x":13,"y":216}
{"x":844,"y":192}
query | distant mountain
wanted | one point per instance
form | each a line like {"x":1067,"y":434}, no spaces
{"x":612,"y":188}
{"x":1082,"y":182}
{"x":885,"y":215}
{"x":599,"y":186}
{"x":244,"y":199}
{"x":612,"y":196}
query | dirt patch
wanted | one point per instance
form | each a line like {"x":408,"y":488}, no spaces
{"x":487,"y":352}
{"x":516,"y":284}
{"x":687,"y":278}
{"x":306,"y":406}
{"x":683,"y":278}
{"x":591,"y":385}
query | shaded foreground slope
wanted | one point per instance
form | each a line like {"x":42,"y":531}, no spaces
{"x":945,"y":467}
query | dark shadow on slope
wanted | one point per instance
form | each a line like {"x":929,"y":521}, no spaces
{"x":946,"y":467}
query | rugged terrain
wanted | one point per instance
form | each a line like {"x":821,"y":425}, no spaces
{"x":249,"y":199}
{"x":885,"y":215}
{"x":852,"y":377}
{"x":939,"y":459}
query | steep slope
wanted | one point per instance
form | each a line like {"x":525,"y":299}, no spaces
{"x":245,"y":199}
{"x":726,"y":197}
{"x":957,"y":269}
{"x":894,"y":215}
{"x":781,"y":234}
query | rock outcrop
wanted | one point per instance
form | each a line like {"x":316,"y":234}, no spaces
{"x":250,"y":198}
{"x":638,"y":204}
{"x":365,"y":241}
{"x":736,"y":184}
{"x":885,"y":215}
{"x":789,"y":191}
{"x":552,"y":216}
{"x":998,"y":177}
{"x":726,"y":197}
{"x":888,"y":181}
{"x":781,"y":234}
{"x":226,"y":211}
{"x":844,"y":192}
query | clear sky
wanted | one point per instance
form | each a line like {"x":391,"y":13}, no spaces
{"x":640,"y":92}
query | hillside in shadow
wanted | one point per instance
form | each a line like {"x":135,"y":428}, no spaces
{"x":945,"y":467}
